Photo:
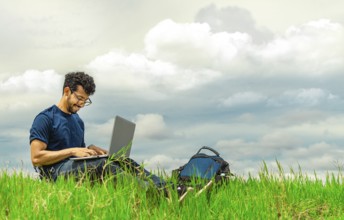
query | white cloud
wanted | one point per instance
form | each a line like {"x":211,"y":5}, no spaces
{"x":268,"y":146}
{"x":311,"y":49}
{"x":243,"y":98}
{"x":99,"y":133}
{"x":151,"y":126}
{"x":164,"y":163}
{"x":330,"y":128}
{"x":32,"y":81}
{"x":303,"y":97}
{"x":117,"y":70}
{"x":233,"y":19}
{"x":246,"y":117}
{"x":317,"y":156}
{"x":300,"y":116}
{"x":183,"y":56}
{"x":306,"y":138}
{"x":29,"y":90}
{"x":302,"y":49}
{"x":193,"y":44}
{"x":311,"y":96}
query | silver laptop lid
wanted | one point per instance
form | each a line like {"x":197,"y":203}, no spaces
{"x":122,"y":136}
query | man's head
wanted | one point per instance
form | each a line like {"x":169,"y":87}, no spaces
{"x":77,"y":88}
{"x":75,"y":79}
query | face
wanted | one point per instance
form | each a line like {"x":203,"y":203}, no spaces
{"x":76,"y":100}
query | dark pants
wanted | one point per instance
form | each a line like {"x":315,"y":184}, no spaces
{"x":97,"y":169}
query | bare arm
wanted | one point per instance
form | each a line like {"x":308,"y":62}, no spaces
{"x":41,"y":156}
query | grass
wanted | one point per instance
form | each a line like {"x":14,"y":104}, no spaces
{"x":269,"y":196}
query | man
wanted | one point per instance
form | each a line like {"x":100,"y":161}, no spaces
{"x":57,"y":133}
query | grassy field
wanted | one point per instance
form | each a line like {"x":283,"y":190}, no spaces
{"x":269,"y":196}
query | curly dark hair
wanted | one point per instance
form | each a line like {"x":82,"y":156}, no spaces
{"x":73,"y":79}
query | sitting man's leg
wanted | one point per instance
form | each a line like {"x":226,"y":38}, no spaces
{"x":98,"y":168}
{"x":95,"y":169}
{"x":133,"y":167}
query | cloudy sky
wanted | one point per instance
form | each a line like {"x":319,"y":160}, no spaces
{"x":257,"y":81}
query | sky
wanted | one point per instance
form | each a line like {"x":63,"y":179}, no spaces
{"x":257,"y":81}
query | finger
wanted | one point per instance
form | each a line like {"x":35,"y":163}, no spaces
{"x":97,"y":152}
{"x":92,"y":152}
{"x":104,"y":151}
{"x":101,"y":151}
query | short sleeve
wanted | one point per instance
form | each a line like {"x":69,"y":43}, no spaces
{"x":40,"y":128}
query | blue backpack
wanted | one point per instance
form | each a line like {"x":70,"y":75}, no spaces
{"x":203,"y":167}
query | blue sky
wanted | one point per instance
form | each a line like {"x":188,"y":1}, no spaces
{"x":258,"y":82}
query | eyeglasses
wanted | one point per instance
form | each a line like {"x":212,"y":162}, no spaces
{"x":85,"y":102}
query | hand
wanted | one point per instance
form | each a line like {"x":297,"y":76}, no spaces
{"x":98,"y":150}
{"x":83,"y":152}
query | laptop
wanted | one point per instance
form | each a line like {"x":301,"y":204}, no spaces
{"x":121,"y":140}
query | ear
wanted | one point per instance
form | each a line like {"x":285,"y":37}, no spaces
{"x":66,"y":91}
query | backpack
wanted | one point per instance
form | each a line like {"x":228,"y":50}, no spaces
{"x":203,"y":168}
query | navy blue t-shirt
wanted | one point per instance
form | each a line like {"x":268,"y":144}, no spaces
{"x":57,"y":129}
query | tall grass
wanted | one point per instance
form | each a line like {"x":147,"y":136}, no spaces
{"x":268,"y":196}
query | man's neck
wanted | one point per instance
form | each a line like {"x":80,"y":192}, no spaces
{"x":63,"y":106}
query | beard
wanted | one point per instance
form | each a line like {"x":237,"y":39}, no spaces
{"x":72,"y":108}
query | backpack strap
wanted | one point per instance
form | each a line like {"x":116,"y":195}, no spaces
{"x":208,"y":148}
